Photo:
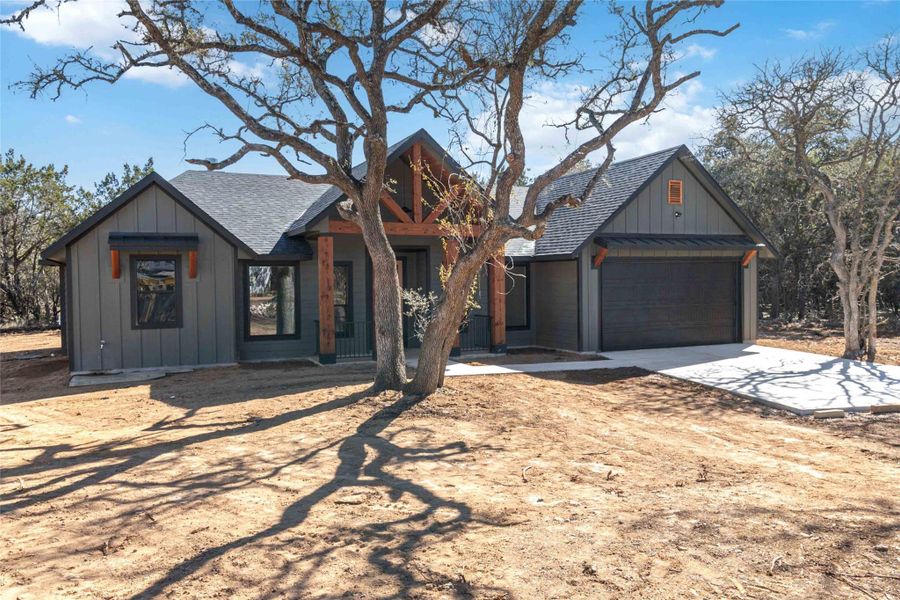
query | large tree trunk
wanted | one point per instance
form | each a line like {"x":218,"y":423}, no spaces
{"x":444,"y":325}
{"x":850,"y":305}
{"x":386,"y":308}
{"x":847,"y":275}
{"x":872,"y":318}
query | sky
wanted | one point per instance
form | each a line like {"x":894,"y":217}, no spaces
{"x":149,"y":113}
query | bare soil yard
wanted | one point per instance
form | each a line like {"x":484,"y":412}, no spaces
{"x":289,"y":481}
{"x":827,"y":340}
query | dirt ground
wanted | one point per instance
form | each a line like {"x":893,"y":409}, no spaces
{"x":282,"y":481}
{"x":18,"y":344}
{"x":826,"y":340}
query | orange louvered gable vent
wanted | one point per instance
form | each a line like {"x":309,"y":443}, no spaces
{"x":675,"y":192}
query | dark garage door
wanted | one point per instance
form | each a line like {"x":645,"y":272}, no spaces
{"x":659,"y":303}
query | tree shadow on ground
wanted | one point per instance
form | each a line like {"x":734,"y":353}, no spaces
{"x":808,"y":551}
{"x":87,"y":463}
{"x":97,"y":474}
{"x":48,"y":377}
{"x":439,"y":516}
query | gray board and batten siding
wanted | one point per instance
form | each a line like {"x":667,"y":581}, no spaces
{"x":100,"y":306}
{"x":240,"y":219}
{"x":649,"y":213}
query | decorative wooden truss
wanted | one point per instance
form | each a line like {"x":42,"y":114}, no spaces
{"x":418,"y":223}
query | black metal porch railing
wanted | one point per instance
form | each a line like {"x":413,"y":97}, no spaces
{"x":475,"y":334}
{"x":352,"y":339}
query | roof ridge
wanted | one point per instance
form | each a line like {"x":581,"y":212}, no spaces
{"x":207,"y":171}
{"x":649,"y":154}
{"x":619,"y":162}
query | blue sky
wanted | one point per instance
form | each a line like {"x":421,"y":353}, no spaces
{"x":96,"y":130}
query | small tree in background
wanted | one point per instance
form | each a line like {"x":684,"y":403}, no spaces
{"x":838,"y":119}
{"x":37,"y":206}
{"x":111,"y":186}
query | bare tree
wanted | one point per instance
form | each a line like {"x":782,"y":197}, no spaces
{"x":328,"y":75}
{"x":838,"y":119}
{"x":525,"y":43}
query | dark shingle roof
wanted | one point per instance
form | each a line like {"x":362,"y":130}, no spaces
{"x":569,"y":227}
{"x":257,"y":209}
{"x":265,"y":211}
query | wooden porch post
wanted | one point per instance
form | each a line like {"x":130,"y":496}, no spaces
{"x":325,"y":253}
{"x":417,"y":182}
{"x":497,"y":302}
{"x":450,"y":254}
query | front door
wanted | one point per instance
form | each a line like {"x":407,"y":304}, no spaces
{"x":413,"y":273}
{"x":412,"y":269}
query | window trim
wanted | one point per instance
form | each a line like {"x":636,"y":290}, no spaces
{"x":527,"y":325}
{"x":132,"y":264}
{"x":349,"y":305}
{"x":245,"y":284}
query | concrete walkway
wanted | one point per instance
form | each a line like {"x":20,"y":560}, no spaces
{"x":795,"y":381}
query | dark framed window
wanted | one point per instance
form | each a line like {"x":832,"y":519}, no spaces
{"x":155,"y":291}
{"x":271,"y":301}
{"x":518,"y":297}
{"x":343,"y":299}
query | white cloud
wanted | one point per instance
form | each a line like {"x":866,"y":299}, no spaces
{"x":815,"y":32}
{"x":239,"y":69}
{"x":72,"y":120}
{"x":684,"y":120}
{"x":166,"y":76}
{"x":81,"y":25}
{"x":698,"y":51}
{"x":91,"y":24}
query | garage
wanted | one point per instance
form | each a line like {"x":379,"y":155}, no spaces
{"x":653,"y":303}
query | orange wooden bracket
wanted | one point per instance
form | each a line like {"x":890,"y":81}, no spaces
{"x":116,"y":265}
{"x":192,"y":264}
{"x":748,"y":256}
{"x":601,"y":254}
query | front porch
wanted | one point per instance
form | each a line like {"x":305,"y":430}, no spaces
{"x":410,"y":213}
{"x":341,"y":336}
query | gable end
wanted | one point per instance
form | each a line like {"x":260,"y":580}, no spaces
{"x":154,"y":178}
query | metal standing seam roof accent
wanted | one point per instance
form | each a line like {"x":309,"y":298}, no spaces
{"x":119,"y":240}
{"x":680,"y":242}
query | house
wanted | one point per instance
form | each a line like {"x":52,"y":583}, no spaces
{"x":216,"y":268}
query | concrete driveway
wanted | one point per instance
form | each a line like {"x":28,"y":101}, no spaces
{"x":796,"y":381}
